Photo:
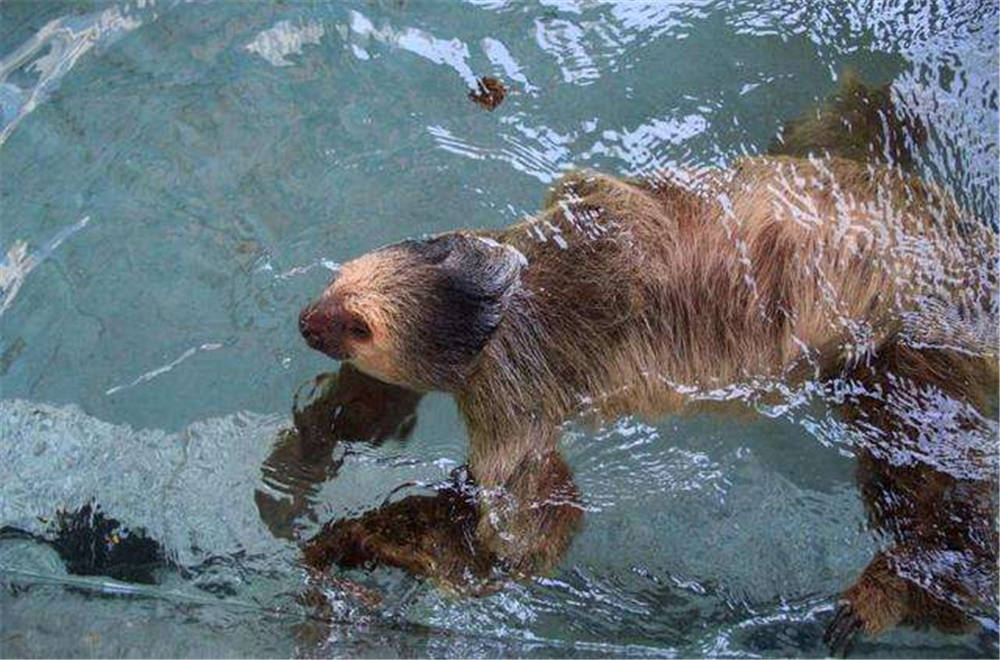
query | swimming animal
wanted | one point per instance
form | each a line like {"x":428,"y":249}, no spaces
{"x":775,"y":278}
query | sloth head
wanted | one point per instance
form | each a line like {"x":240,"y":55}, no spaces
{"x":416,"y":313}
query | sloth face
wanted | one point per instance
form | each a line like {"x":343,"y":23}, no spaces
{"x":416,"y":313}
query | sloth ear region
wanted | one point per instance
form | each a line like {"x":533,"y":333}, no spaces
{"x":472,"y":289}
{"x":482,"y":267}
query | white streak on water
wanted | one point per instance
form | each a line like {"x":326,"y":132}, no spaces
{"x":498,"y":54}
{"x":544,"y":162}
{"x":150,"y":375}
{"x":285,"y":38}
{"x":646,"y":147}
{"x":328,"y":264}
{"x":451,"y":52}
{"x":544,"y":153}
{"x":295,"y":271}
{"x":566,"y":41}
{"x":18,"y":263}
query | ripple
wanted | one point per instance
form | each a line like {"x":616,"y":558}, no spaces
{"x":52,"y":52}
{"x":451,"y":52}
{"x":542,"y":159}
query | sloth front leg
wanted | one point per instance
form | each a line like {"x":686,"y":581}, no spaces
{"x":347,"y":406}
{"x":889,"y":593}
{"x":517,"y":520}
{"x":465,"y":542}
{"x":529,"y":508}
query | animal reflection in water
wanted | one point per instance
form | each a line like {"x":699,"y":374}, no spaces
{"x":332,"y":408}
{"x":350,"y":406}
{"x":810,"y":272}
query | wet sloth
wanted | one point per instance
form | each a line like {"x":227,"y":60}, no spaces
{"x":780,"y":276}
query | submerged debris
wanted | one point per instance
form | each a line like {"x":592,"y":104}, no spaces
{"x":92,"y":543}
{"x":489,"y":94}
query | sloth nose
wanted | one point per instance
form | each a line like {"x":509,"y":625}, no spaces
{"x":310,"y":325}
{"x":322,"y":328}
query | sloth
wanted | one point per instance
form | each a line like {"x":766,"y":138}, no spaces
{"x":780,"y":275}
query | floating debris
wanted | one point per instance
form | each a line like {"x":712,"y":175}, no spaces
{"x":489,"y":94}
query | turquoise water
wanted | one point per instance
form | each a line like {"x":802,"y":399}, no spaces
{"x":178,"y":179}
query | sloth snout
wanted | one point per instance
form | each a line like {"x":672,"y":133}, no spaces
{"x":309,"y":326}
{"x":323,"y":329}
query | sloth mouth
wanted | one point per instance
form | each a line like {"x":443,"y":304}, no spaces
{"x":317,"y":342}
{"x":336,"y":352}
{"x":339,"y":355}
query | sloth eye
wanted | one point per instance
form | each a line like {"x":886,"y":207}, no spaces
{"x":359,"y":330}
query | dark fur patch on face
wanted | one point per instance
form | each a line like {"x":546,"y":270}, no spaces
{"x":468,"y":287}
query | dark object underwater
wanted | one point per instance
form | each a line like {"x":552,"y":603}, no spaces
{"x":91,"y":543}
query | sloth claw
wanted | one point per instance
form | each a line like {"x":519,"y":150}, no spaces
{"x":843,"y":631}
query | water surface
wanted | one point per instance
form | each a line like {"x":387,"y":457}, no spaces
{"x":179,"y":178}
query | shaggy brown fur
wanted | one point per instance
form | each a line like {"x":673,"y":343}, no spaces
{"x":776,"y":277}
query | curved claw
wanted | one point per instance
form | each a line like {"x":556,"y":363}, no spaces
{"x":842,"y":632}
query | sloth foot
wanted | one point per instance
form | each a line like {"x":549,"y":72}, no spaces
{"x":875,"y":603}
{"x":843,"y":630}
{"x":428,"y":536}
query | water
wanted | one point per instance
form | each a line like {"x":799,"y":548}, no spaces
{"x":178,"y":179}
